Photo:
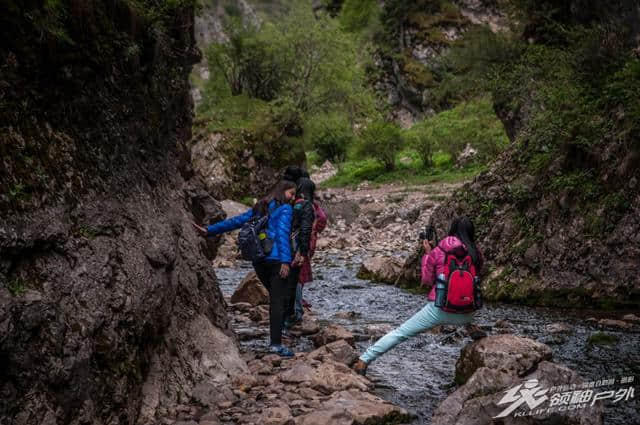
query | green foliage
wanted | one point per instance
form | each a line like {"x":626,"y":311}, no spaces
{"x":421,"y":138}
{"x":16,"y":286}
{"x":601,"y":338}
{"x":355,"y":171}
{"x":358,"y":15}
{"x":473,"y":123}
{"x":330,"y":136}
{"x":285,"y":79}
{"x":382,"y":141}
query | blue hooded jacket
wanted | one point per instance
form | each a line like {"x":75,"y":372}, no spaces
{"x":278,"y":229}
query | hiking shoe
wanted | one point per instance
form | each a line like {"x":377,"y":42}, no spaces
{"x":360,"y":367}
{"x":281,"y":350}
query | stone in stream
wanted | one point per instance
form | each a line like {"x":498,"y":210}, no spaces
{"x":259,"y":313}
{"x":612,"y":323}
{"x":631,"y":318}
{"x":331,"y":333}
{"x":250,"y":291}
{"x":380,"y":269}
{"x":555,"y":328}
{"x":339,"y":351}
{"x":508,"y":353}
{"x":489,"y":367}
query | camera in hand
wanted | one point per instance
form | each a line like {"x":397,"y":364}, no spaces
{"x":428,"y":234}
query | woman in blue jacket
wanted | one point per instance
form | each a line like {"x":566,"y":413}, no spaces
{"x":274,"y":270}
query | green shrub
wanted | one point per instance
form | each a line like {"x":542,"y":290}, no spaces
{"x":420,"y":138}
{"x":382,"y":141}
{"x":330,"y":136}
{"x":473,"y":122}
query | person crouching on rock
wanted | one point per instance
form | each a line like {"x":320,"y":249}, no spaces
{"x":301,"y":231}
{"x":460,"y":247}
{"x":274,"y":270}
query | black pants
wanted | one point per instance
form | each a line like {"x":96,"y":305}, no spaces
{"x":279,"y":294}
{"x":294,"y":276}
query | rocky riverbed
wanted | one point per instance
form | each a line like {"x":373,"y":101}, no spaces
{"x":428,"y":376}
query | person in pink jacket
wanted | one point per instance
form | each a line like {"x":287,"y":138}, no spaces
{"x":460,"y":241}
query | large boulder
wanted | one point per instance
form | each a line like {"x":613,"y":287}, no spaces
{"x":380,"y":269}
{"x":250,"y":291}
{"x":498,"y":363}
{"x":507,"y":353}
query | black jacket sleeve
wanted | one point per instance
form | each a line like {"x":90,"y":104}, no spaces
{"x":307,"y":216}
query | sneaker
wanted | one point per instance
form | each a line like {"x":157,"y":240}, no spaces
{"x":360,"y":367}
{"x":281,"y":350}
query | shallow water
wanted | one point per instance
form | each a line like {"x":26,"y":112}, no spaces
{"x":418,"y":374}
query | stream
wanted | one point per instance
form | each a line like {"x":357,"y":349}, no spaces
{"x":418,"y":374}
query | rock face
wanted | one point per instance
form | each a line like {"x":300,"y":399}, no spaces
{"x":109,"y":310}
{"x":492,"y":365}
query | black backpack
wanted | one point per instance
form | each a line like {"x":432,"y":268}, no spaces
{"x":253,"y":242}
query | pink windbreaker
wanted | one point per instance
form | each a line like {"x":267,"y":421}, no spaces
{"x":433,"y":263}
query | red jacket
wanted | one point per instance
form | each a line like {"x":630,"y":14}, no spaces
{"x":319,"y":224}
{"x":433,"y":263}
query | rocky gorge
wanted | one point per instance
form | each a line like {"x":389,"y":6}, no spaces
{"x":113,"y":311}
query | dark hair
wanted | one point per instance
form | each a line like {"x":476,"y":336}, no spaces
{"x":277,"y":194}
{"x":294,"y":173}
{"x":306,"y":188}
{"x":462,"y":228}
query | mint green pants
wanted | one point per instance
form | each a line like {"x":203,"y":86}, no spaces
{"x":424,"y":319}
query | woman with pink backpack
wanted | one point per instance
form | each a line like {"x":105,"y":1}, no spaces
{"x":453,"y":265}
{"x":309,"y":219}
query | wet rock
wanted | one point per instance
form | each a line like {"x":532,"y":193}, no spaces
{"x":351,"y":407}
{"x":507,"y":353}
{"x":339,"y":351}
{"x":242,"y":306}
{"x":299,"y":372}
{"x":380,"y":269}
{"x":476,"y":402}
{"x":332,"y":376}
{"x":377,"y":330}
{"x":555,"y":328}
{"x":251,"y":291}
{"x":331,"y":333}
{"x":612,"y":323}
{"x":308,"y":326}
{"x":631,"y":318}
{"x":503,"y":327}
{"x":347,"y":314}
{"x":259,"y":313}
